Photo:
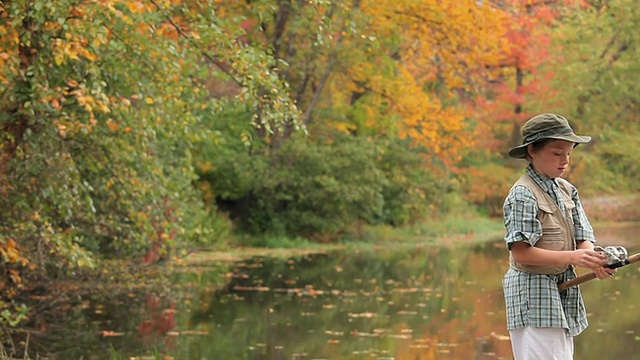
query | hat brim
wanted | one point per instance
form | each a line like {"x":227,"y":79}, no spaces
{"x":520,"y":152}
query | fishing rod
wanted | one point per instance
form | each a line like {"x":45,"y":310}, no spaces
{"x":617,"y":257}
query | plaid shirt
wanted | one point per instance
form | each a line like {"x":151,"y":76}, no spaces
{"x":533,"y":299}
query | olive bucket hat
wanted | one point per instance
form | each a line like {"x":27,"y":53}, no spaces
{"x":546,"y":126}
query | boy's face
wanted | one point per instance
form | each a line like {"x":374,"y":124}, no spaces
{"x":553,"y":159}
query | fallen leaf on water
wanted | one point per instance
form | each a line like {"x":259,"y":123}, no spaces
{"x":334,"y":333}
{"x":406,"y":312}
{"x":499,"y":337}
{"x":251,"y":288}
{"x":108,"y":333}
{"x":194,"y":332}
{"x":364,"y":334}
{"x":364,"y":314}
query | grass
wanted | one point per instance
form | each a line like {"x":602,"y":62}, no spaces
{"x":460,"y":225}
{"x":451,"y":230}
{"x":5,"y":356}
{"x":447,"y":231}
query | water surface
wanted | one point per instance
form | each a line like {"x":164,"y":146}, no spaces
{"x":392,"y":302}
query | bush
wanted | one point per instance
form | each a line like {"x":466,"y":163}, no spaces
{"x":313,"y":187}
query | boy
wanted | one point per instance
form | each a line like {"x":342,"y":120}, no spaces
{"x":547,"y":234}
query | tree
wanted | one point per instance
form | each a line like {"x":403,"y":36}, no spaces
{"x":597,"y":88}
{"x":99,"y":109}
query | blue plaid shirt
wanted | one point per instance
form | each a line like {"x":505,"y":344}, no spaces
{"x":533,"y":300}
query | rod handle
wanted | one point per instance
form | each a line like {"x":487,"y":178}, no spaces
{"x":590,"y":276}
{"x":576,"y":281}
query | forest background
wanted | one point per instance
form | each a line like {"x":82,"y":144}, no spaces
{"x":141,"y":130}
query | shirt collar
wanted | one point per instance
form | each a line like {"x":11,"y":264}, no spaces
{"x":544,"y":182}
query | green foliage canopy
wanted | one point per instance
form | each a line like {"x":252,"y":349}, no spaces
{"x":100,"y":103}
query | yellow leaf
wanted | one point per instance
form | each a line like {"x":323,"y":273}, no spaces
{"x":135,"y":6}
{"x":62,"y":130}
{"x":112,"y":125}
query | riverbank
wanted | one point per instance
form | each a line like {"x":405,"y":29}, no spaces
{"x":605,"y":213}
{"x":451,"y":231}
{"x":613,"y":208}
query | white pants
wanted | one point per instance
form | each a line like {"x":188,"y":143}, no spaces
{"x":541,"y":344}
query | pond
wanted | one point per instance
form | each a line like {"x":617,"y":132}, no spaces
{"x":392,"y":302}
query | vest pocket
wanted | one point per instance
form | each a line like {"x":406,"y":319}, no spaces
{"x":552,"y":231}
{"x":547,"y":208}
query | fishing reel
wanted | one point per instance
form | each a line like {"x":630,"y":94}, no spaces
{"x":616,"y":255}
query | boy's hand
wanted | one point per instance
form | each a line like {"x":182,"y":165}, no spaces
{"x":590,"y":259}
{"x":603,"y":272}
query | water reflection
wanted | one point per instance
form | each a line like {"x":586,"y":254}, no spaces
{"x":389,"y":303}
{"x":393,"y":302}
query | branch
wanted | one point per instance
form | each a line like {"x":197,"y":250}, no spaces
{"x":327,"y":71}
{"x":610,"y":44}
{"x":217,"y":63}
{"x":321,"y":84}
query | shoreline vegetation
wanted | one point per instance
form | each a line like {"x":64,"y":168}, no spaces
{"x":454,"y":230}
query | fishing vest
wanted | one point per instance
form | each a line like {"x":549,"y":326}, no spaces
{"x":557,"y":229}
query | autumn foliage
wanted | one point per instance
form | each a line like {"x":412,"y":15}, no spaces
{"x":138,"y":129}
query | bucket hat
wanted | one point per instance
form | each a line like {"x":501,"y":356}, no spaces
{"x":546,"y":126}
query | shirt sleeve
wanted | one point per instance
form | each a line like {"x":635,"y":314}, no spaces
{"x":581,"y":225}
{"x":520,"y":209}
